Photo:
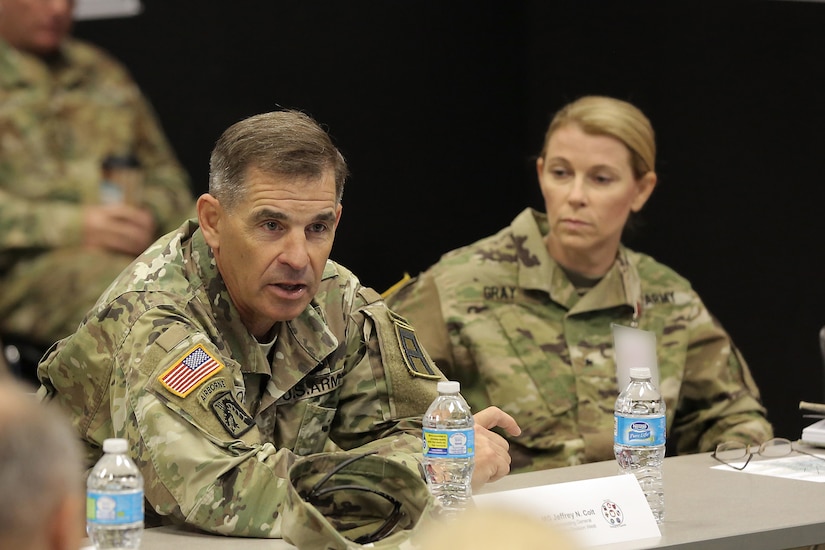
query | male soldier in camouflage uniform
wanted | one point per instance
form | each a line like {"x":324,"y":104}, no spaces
{"x":233,"y":344}
{"x":519,"y":320}
{"x":65,"y":108}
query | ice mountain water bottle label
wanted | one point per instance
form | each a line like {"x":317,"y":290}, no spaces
{"x":449,"y":443}
{"x":114,"y":508}
{"x":639,"y":432}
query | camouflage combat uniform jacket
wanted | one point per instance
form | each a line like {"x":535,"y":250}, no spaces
{"x":503,"y":318}
{"x":58,"y":122}
{"x":214,"y":450}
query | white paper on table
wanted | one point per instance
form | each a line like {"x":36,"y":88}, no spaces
{"x":799,"y":466}
{"x":594,"y":512}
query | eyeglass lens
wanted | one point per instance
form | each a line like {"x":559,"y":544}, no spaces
{"x":732,"y":451}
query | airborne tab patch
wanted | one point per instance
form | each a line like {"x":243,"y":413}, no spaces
{"x":230,"y":413}
{"x":190,"y":371}
{"x":210,"y":390}
{"x":417,"y":363}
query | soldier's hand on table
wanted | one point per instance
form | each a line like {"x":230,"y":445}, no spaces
{"x":492,"y":459}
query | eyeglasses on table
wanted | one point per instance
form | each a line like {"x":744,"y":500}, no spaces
{"x":731,"y":452}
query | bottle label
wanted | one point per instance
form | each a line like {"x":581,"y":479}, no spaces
{"x":449,"y":443}
{"x":639,"y":432}
{"x":109,"y":508}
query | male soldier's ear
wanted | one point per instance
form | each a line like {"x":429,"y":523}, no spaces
{"x":209,"y":213}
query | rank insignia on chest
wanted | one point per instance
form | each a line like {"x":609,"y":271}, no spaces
{"x":417,"y":363}
{"x":190,"y":371}
{"x":660,"y":298}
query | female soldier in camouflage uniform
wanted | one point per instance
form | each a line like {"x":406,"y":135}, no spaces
{"x":522,"y":318}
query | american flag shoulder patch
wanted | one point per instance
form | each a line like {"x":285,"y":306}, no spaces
{"x":195,"y":367}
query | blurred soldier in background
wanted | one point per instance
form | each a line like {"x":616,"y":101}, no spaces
{"x":87,"y":178}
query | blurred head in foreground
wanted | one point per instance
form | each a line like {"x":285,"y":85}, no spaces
{"x":41,"y":475}
{"x":482,"y":529}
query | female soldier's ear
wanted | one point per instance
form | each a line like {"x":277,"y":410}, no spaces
{"x":644,"y":188}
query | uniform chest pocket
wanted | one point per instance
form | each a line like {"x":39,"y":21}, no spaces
{"x":314,"y":429}
{"x":527,"y":368}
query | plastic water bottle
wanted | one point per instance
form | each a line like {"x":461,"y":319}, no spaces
{"x":639,"y":437}
{"x":114,"y":499}
{"x":449,"y":448}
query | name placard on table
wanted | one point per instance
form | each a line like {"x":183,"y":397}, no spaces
{"x":594,"y":512}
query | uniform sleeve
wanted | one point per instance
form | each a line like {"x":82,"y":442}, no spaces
{"x":41,"y":221}
{"x":198,"y":450}
{"x":166,"y":188}
{"x":419,"y":302}
{"x":26,"y":223}
{"x":720,"y":400}
{"x":389,"y":384}
{"x":167,"y":192}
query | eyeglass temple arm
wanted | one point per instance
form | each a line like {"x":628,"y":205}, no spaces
{"x":820,"y":457}
{"x":747,"y":461}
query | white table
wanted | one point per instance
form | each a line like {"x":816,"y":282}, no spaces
{"x":706,"y":509}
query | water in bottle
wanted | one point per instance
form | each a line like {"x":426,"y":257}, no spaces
{"x":449,"y":448}
{"x":639,"y":437}
{"x":114,"y":499}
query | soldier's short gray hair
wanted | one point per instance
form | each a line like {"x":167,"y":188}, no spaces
{"x":607,"y":116}
{"x":286,"y":143}
{"x":40,"y":463}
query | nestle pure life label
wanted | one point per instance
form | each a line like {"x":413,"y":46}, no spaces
{"x":114,"y":508}
{"x":639,"y":432}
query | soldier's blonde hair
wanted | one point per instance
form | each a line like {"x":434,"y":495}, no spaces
{"x":288,"y":143}
{"x":607,"y":116}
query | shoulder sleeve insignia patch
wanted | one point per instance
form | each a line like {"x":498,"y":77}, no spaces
{"x":417,"y":362}
{"x":231,"y":414}
{"x":195,"y":367}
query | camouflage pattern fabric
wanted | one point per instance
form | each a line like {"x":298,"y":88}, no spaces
{"x":58,"y":122}
{"x":214,"y":444}
{"x":339,"y":517}
{"x":503,"y":318}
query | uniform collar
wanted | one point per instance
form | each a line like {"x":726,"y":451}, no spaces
{"x":538,"y":271}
